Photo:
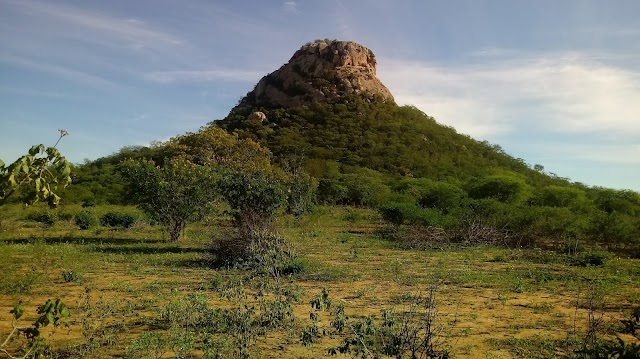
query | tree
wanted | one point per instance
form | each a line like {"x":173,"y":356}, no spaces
{"x":45,"y":169}
{"x":213,"y":146}
{"x":175,"y":194}
{"x":506,"y":188}
{"x":254,"y":199}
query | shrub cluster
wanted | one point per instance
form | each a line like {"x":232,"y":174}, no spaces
{"x":86,"y":220}
{"x":46,"y":218}
{"x":504,"y":209}
{"x":118,"y":220}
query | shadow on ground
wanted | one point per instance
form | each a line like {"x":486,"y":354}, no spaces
{"x":80,"y":240}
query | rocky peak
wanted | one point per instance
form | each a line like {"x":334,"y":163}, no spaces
{"x":323,"y":70}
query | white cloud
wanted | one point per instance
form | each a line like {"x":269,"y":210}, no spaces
{"x":566,"y":93}
{"x":210,"y":75}
{"x":290,"y":7}
{"x":59,"y":71}
{"x":94,"y":27}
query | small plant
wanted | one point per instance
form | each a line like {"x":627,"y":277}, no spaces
{"x":86,"y":220}
{"x":70,"y":276}
{"x":51,"y":312}
{"x":20,"y":284}
{"x":40,"y":171}
{"x":321,"y":302}
{"x":118,"y":220}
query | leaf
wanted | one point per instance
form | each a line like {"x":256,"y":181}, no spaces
{"x":17,"y":311}
{"x":64,"y":312}
{"x":49,"y":319}
{"x":1,"y":164}
{"x":53,"y":200}
{"x":35,"y":149}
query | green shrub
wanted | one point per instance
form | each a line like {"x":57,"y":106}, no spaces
{"x":117,"y":220}
{"x":331,"y":191}
{"x":45,"y":217}
{"x":559,"y":196}
{"x":365,"y":188}
{"x":263,"y":253}
{"x":301,"y":194}
{"x":443,"y":196}
{"x":65,"y":216}
{"x":591,"y":258}
{"x":396,"y":213}
{"x":86,"y":220}
{"x":88,"y":203}
{"x":505,"y":188}
{"x":254,"y":199}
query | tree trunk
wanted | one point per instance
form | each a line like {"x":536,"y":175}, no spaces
{"x":175,"y":230}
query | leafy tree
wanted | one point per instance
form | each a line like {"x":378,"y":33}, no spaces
{"x":621,"y":201}
{"x":559,"y":196}
{"x":331,"y":191}
{"x":301,"y":193}
{"x":254,"y":199}
{"x":175,"y":194}
{"x":443,"y":197}
{"x":214,"y":146}
{"x":41,"y":171}
{"x":506,"y":188}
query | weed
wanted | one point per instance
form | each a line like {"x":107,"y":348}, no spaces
{"x":33,"y":344}
{"x":20,"y":284}
{"x":70,"y":276}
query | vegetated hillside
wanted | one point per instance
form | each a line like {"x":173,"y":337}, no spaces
{"x":375,"y":134}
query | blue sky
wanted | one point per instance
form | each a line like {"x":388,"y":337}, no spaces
{"x":553,"y":82}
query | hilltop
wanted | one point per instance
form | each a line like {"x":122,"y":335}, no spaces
{"x":321,"y":71}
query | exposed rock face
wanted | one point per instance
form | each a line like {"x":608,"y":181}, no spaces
{"x":323,"y":70}
{"x":258,"y":116}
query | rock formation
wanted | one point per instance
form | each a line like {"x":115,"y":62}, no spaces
{"x":257,"y":116}
{"x":323,"y":70}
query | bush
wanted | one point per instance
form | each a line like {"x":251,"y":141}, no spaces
{"x":591,"y":258}
{"x":331,"y":192}
{"x":444,"y":197}
{"x":88,"y":203}
{"x":558,"y":196}
{"x":118,"y":220}
{"x":263,"y":253}
{"x":86,"y":220}
{"x":505,"y":188}
{"x":301,"y":196}
{"x":174,"y":194}
{"x":396,"y":213}
{"x":254,"y":199}
{"x":46,"y":218}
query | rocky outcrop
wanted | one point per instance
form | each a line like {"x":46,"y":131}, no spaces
{"x":257,"y":116}
{"x":323,"y":70}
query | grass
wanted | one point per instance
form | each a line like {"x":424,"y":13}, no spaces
{"x":496,"y":302}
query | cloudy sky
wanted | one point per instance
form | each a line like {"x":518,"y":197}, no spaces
{"x":553,"y":82}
